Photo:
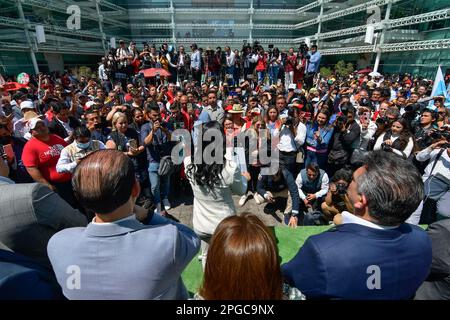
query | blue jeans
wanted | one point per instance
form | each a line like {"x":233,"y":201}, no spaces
{"x":159,"y":185}
{"x":273,"y":74}
{"x":261,"y":75}
{"x":229,"y":71}
{"x":319,"y":158}
{"x":287,"y":166}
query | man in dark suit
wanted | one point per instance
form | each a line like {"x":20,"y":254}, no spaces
{"x":62,"y":124}
{"x":437,"y":285}
{"x":373,"y":254}
{"x":24,"y":279}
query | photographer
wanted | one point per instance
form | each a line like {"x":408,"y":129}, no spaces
{"x":156,"y":139}
{"x":423,"y":130}
{"x":336,"y":200}
{"x":95,"y":126}
{"x":397,"y":139}
{"x":345,"y":138}
{"x":435,"y":205}
{"x":145,"y":57}
{"x":313,"y":57}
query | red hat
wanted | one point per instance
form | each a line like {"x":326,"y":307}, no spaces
{"x":228,"y":108}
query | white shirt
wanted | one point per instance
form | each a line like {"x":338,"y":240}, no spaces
{"x":442,"y":165}
{"x":286,"y":143}
{"x":347,"y":217}
{"x":67,"y":127}
{"x":68,"y":164}
{"x":406,"y":151}
{"x":181,"y":60}
{"x":323,"y":188}
{"x":131,"y":217}
{"x":231,"y":59}
{"x":101,"y":73}
{"x":20,"y":128}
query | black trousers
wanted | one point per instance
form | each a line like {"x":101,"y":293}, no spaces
{"x":309,"y":78}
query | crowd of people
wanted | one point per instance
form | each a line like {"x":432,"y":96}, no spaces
{"x":368,"y":154}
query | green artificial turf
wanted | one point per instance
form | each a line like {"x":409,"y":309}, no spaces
{"x":289,"y":241}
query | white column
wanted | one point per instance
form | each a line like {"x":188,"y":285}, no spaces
{"x":252,"y":10}
{"x":383,"y":29}
{"x":172,"y":25}
{"x":100,"y":25}
{"x":27,"y":35}
{"x":319,"y":25}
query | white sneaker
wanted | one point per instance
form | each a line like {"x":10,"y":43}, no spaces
{"x":258,"y":199}
{"x":243,"y":200}
{"x":166,"y":204}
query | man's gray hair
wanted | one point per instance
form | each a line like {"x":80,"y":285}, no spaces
{"x":393,"y":187}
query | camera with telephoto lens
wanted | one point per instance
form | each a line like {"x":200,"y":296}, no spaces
{"x":341,"y":188}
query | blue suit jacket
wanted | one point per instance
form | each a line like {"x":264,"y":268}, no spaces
{"x":338,"y":264}
{"x":123,"y":260}
{"x":23,"y":278}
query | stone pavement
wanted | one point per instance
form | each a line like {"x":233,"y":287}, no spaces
{"x":182,"y":209}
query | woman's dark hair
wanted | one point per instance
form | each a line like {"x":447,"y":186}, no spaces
{"x":404,"y":135}
{"x":81,"y":132}
{"x":208,"y":174}
{"x":268,"y":110}
{"x":228,"y":116}
{"x":103,"y":181}
{"x":242,"y":262}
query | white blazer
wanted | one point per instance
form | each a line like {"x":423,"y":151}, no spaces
{"x":212,"y":206}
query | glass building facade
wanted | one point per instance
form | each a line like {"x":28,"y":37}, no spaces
{"x":392,"y":35}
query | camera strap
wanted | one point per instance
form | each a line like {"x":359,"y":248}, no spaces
{"x":436,"y":160}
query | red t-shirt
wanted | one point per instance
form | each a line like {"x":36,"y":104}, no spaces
{"x":45,"y":156}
